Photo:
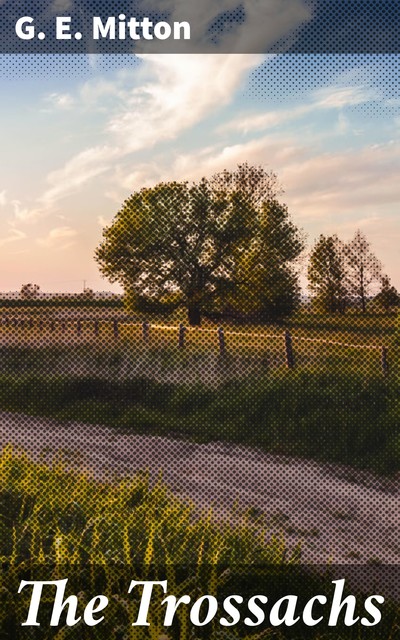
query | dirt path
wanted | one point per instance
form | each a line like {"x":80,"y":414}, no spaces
{"x":338,"y":514}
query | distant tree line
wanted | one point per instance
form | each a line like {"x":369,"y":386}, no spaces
{"x":343,"y":275}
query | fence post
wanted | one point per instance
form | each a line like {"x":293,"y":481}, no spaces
{"x":145,"y":331}
{"x":221,"y":340}
{"x":31,"y":323}
{"x":289,"y":350}
{"x":96,"y":327}
{"x":384,"y":361}
{"x":79,"y":327}
{"x":115,"y":328}
{"x":52,"y":325}
{"x":182,"y":332}
{"x":63,"y":326}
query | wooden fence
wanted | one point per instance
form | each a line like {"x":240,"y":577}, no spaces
{"x":92,"y":325}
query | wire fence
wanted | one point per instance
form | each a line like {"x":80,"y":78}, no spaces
{"x":46,"y":330}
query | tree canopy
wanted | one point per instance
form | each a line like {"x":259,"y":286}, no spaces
{"x":268,"y":285}
{"x":388,"y":296}
{"x":363,"y":269}
{"x":29,"y":291}
{"x":342,"y":274}
{"x":327,"y":274}
{"x":205,"y":242}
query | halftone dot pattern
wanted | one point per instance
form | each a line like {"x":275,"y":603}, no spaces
{"x":238,"y":434}
{"x":226,"y":23}
{"x":19,"y":67}
{"x":280,"y":79}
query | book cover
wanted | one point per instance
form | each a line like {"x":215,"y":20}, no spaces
{"x":199,"y":331}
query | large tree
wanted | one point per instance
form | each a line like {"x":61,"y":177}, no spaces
{"x":363,"y":269}
{"x":327,"y":274}
{"x":192,"y":241}
{"x":177,"y":237}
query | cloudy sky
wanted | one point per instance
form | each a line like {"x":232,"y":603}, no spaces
{"x":80,"y":133}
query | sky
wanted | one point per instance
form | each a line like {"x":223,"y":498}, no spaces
{"x":80,"y":133}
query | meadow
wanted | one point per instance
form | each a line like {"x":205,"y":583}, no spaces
{"x":351,"y":342}
{"x":335,"y":404}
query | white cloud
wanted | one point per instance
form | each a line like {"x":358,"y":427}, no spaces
{"x":178,"y":92}
{"x":270,"y":151}
{"x":83,"y":167}
{"x":344,"y":185}
{"x":326,"y":192}
{"x":60,"y":100}
{"x":266,"y":21}
{"x":13,"y":236}
{"x":333,"y":97}
{"x":22,"y":214}
{"x":175,"y":92}
{"x":339,"y":96}
{"x":249,"y":123}
{"x":103,"y":222}
{"x":59,"y":238}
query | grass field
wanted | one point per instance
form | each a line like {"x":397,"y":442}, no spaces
{"x":57,"y":522}
{"x":344,"y":419}
{"x":334,"y":405}
{"x":353,"y":343}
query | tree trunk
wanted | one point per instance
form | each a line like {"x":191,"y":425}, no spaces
{"x":194,"y":315}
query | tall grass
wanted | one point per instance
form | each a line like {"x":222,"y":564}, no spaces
{"x":340,"y":418}
{"x":59,"y":523}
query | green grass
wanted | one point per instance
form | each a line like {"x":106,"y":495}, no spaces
{"x":376,"y":325}
{"x":335,"y":405}
{"x":57,"y":522}
{"x":332,"y":344}
{"x":339,"y":418}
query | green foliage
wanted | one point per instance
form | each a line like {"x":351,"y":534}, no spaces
{"x":363,"y":269}
{"x":62,"y":302}
{"x":57,"y":522}
{"x":219,"y":241}
{"x":388,"y":296}
{"x":340,"y":417}
{"x":29,"y":291}
{"x":342,"y":275}
{"x":326,"y":274}
{"x":267,"y":280}
{"x":176,"y":237}
{"x":164,"y":305}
